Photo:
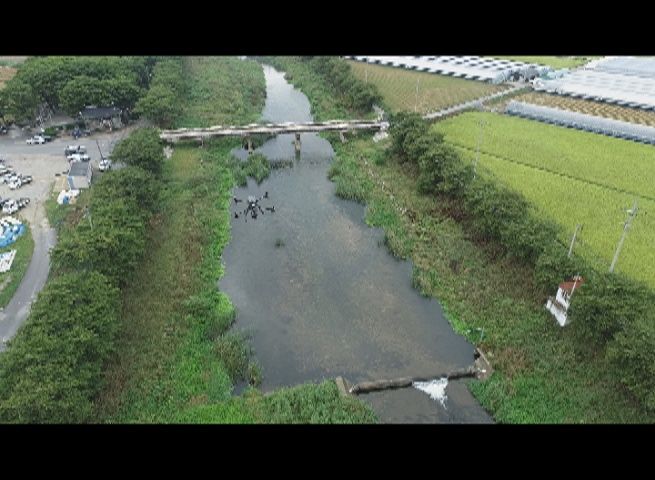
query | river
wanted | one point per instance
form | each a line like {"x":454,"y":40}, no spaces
{"x":331,"y":300}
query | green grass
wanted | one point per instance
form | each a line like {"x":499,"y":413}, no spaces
{"x":435,"y":92}
{"x":222,"y":91}
{"x":538,"y":378}
{"x":56,"y":213}
{"x":555,"y":62}
{"x":24,"y":247}
{"x":572,"y":177}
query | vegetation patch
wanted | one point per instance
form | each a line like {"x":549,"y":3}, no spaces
{"x":10,"y":280}
{"x":540,"y":377}
{"x":572,"y":178}
{"x":332,"y":89}
{"x":398,"y":88}
{"x":222,"y":90}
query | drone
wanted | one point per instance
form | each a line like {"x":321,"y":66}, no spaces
{"x":253,"y":207}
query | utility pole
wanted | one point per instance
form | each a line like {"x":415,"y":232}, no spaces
{"x":416,"y":104}
{"x":366,"y":72}
{"x":626,"y":226}
{"x":482,"y":123}
{"x":577,"y":229}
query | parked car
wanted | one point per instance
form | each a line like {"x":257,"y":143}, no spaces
{"x":104,"y":165}
{"x":9,"y":177}
{"x":71,"y":149}
{"x":17,"y":183}
{"x":10,"y":206}
{"x":3,"y":129}
{"x":23,"y":202}
{"x":36,"y":139}
{"x":78,"y":157}
{"x":25,"y":179}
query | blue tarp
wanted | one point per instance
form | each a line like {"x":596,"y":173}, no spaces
{"x":11,"y":234}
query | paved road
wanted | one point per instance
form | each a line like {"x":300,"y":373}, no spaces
{"x":473,"y":103}
{"x":43,"y":162}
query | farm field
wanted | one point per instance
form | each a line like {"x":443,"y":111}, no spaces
{"x":537,"y":159}
{"x":435,"y":92}
{"x":601,"y":109}
{"x":614,"y":163}
{"x":555,"y":62}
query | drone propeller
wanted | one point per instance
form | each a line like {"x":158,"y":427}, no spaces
{"x":271,"y":209}
{"x":236,"y":200}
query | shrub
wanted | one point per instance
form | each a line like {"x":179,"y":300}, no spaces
{"x":141,"y":149}
{"x":605,"y":305}
{"x":53,"y":368}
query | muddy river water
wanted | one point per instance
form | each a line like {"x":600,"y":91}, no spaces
{"x":331,"y":300}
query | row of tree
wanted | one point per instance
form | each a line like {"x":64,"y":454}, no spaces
{"x":611,"y":315}
{"x":353,"y":93}
{"x":161,"y":104}
{"x":70,"y":83}
{"x":53,"y":368}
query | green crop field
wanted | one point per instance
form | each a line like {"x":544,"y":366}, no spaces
{"x":555,"y":62}
{"x":590,"y":107}
{"x":435,"y":92}
{"x":572,"y":177}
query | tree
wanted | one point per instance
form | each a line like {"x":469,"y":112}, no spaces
{"x":631,"y":354}
{"x":111,"y":242}
{"x":122,"y":91}
{"x":406,"y":128}
{"x":132,"y":183}
{"x":20,"y":100}
{"x":82,"y":91}
{"x":141,"y":149}
{"x":158,"y":105}
{"x":605,"y":305}
{"x":52,"y":369}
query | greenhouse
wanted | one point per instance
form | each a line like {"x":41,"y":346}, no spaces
{"x":468,"y":67}
{"x":581,"y":121}
{"x":625,"y":81}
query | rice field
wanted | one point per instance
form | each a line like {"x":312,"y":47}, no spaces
{"x":435,"y":92}
{"x":590,"y":107}
{"x":555,"y":62}
{"x":571,"y":177}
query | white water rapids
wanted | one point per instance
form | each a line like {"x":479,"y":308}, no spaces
{"x":436,"y":389}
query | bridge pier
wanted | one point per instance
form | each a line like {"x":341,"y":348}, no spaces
{"x":297,"y":143}
{"x":250,"y":149}
{"x":342,"y":136}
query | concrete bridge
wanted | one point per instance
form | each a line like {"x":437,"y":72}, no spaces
{"x":247,"y":131}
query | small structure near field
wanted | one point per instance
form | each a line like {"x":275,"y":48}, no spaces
{"x":559,"y":305}
{"x":79,"y":175}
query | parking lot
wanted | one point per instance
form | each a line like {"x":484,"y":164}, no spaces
{"x":47,"y":164}
{"x":48,"y":167}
